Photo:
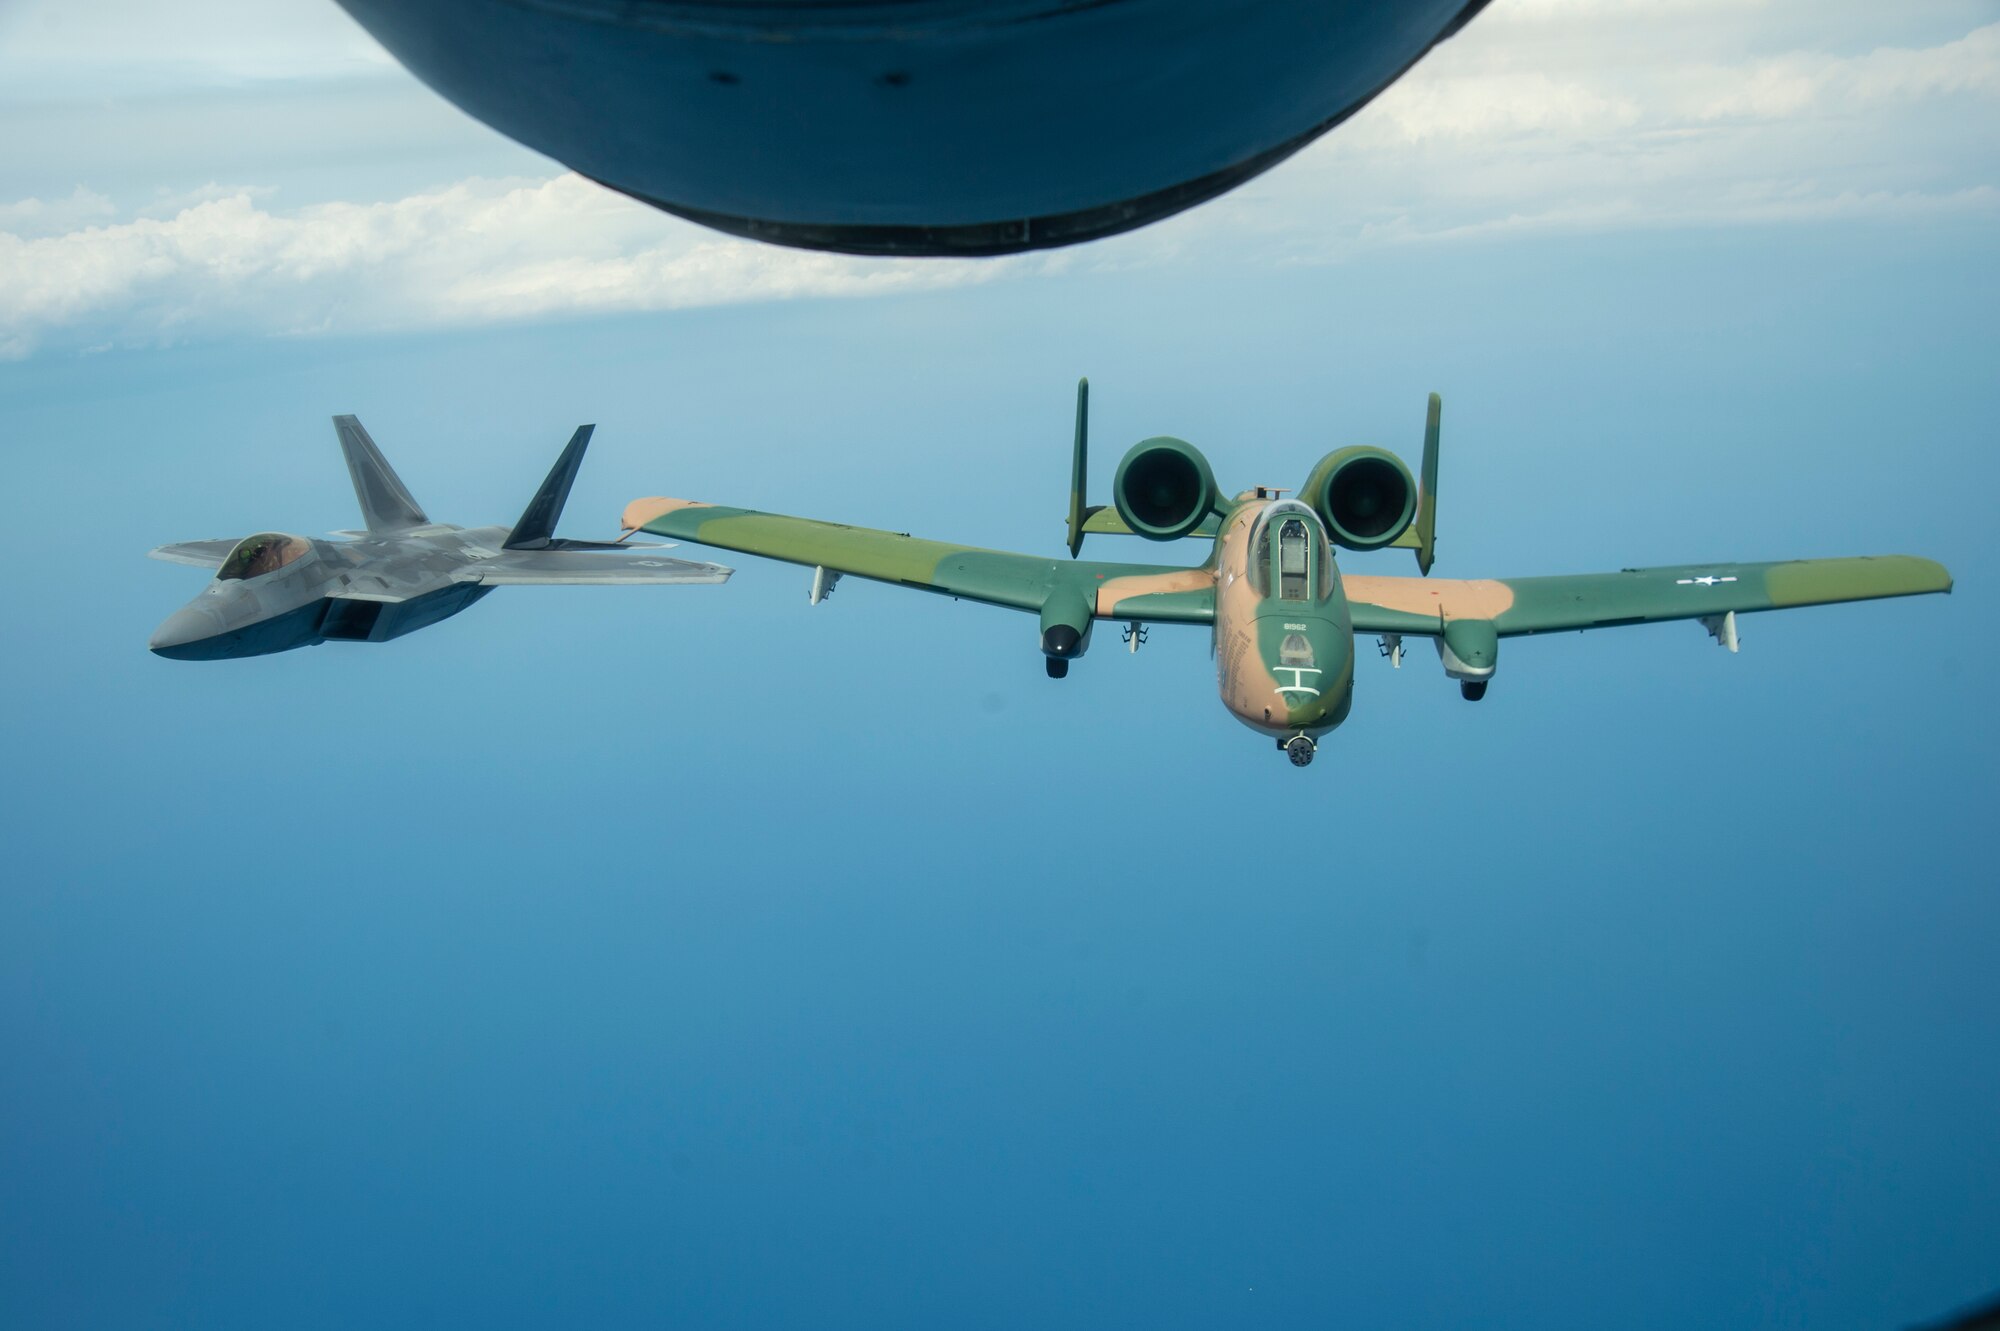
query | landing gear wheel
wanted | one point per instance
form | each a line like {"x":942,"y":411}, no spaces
{"x":1472,"y":690}
{"x":1300,"y":749}
{"x":1057,"y":666}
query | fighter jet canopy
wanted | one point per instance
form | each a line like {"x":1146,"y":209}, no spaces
{"x":1289,"y":554}
{"x":266,"y":552}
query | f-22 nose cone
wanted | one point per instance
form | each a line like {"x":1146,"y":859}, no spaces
{"x":182,"y":633}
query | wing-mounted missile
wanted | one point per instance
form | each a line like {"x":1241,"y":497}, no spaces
{"x":1722,"y":628}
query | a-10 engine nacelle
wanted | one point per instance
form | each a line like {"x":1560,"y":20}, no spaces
{"x":1164,"y":488}
{"x":1365,"y":496}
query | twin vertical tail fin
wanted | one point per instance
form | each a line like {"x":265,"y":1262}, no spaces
{"x":1079,"y":468}
{"x":537,"y":527}
{"x":1427,"y":490}
{"x":1420,"y":537}
{"x":386,"y":503}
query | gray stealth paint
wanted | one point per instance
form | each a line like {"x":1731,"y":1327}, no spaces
{"x":273,"y":592}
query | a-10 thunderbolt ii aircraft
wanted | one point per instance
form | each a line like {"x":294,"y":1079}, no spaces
{"x":1284,"y":616}
{"x":273,"y":591}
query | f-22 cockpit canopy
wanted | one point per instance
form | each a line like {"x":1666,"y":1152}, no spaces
{"x":1289,"y":556}
{"x":266,"y":552}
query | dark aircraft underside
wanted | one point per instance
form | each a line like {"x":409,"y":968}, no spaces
{"x":914,"y":127}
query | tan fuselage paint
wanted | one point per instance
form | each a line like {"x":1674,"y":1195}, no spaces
{"x":1248,"y":682}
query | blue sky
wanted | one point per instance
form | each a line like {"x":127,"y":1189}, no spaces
{"x":691,"y":957}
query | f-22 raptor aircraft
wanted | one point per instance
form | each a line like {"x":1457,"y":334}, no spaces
{"x":273,"y":591}
{"x":1283,"y":616}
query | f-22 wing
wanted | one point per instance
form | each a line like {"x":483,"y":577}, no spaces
{"x":560,"y":567}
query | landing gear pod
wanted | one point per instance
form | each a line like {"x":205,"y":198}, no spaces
{"x":1163,"y":488}
{"x":1066,"y":625}
{"x":1470,"y":650}
{"x":1365,"y":496}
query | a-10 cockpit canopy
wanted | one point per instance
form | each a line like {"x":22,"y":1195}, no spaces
{"x":266,"y":552}
{"x":1289,"y":557}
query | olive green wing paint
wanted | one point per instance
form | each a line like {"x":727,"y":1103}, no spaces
{"x":1517,"y":606}
{"x":1147,"y":593}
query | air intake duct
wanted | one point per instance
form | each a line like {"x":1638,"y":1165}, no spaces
{"x":1366,"y":496}
{"x":1163,"y":489}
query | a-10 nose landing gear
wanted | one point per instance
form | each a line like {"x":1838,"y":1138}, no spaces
{"x":1299,"y":748}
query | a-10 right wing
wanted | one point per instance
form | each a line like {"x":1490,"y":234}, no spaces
{"x":1146,"y":593}
{"x":1517,"y":606}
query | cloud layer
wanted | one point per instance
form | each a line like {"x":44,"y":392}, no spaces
{"x":1572,"y":116}
{"x":477,"y":252}
{"x":1544,"y":115}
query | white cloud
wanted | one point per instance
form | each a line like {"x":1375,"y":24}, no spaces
{"x":1543,"y":117}
{"x":477,"y":252}
{"x":42,"y":217}
{"x":53,"y":48}
{"x":1578,"y":116}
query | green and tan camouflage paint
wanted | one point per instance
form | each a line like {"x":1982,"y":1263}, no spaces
{"x":1256,"y":684}
{"x":1252,"y":677}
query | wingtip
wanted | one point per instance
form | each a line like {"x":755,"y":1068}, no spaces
{"x":1939,"y":575}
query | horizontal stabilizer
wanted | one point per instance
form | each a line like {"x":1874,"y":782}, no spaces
{"x":386,"y":504}
{"x":538,"y":521}
{"x":565,"y":543}
{"x":1105,"y":521}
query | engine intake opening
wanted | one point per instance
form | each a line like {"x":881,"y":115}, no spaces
{"x":1368,"y":500}
{"x":1158,"y":485}
{"x":1164,"y":488}
{"x":1366,"y":496}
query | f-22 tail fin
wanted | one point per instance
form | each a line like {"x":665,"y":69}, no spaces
{"x":537,"y":528}
{"x":386,"y":503}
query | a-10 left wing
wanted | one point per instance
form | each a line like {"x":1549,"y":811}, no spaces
{"x":1518,"y":606}
{"x":1467,"y":618}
